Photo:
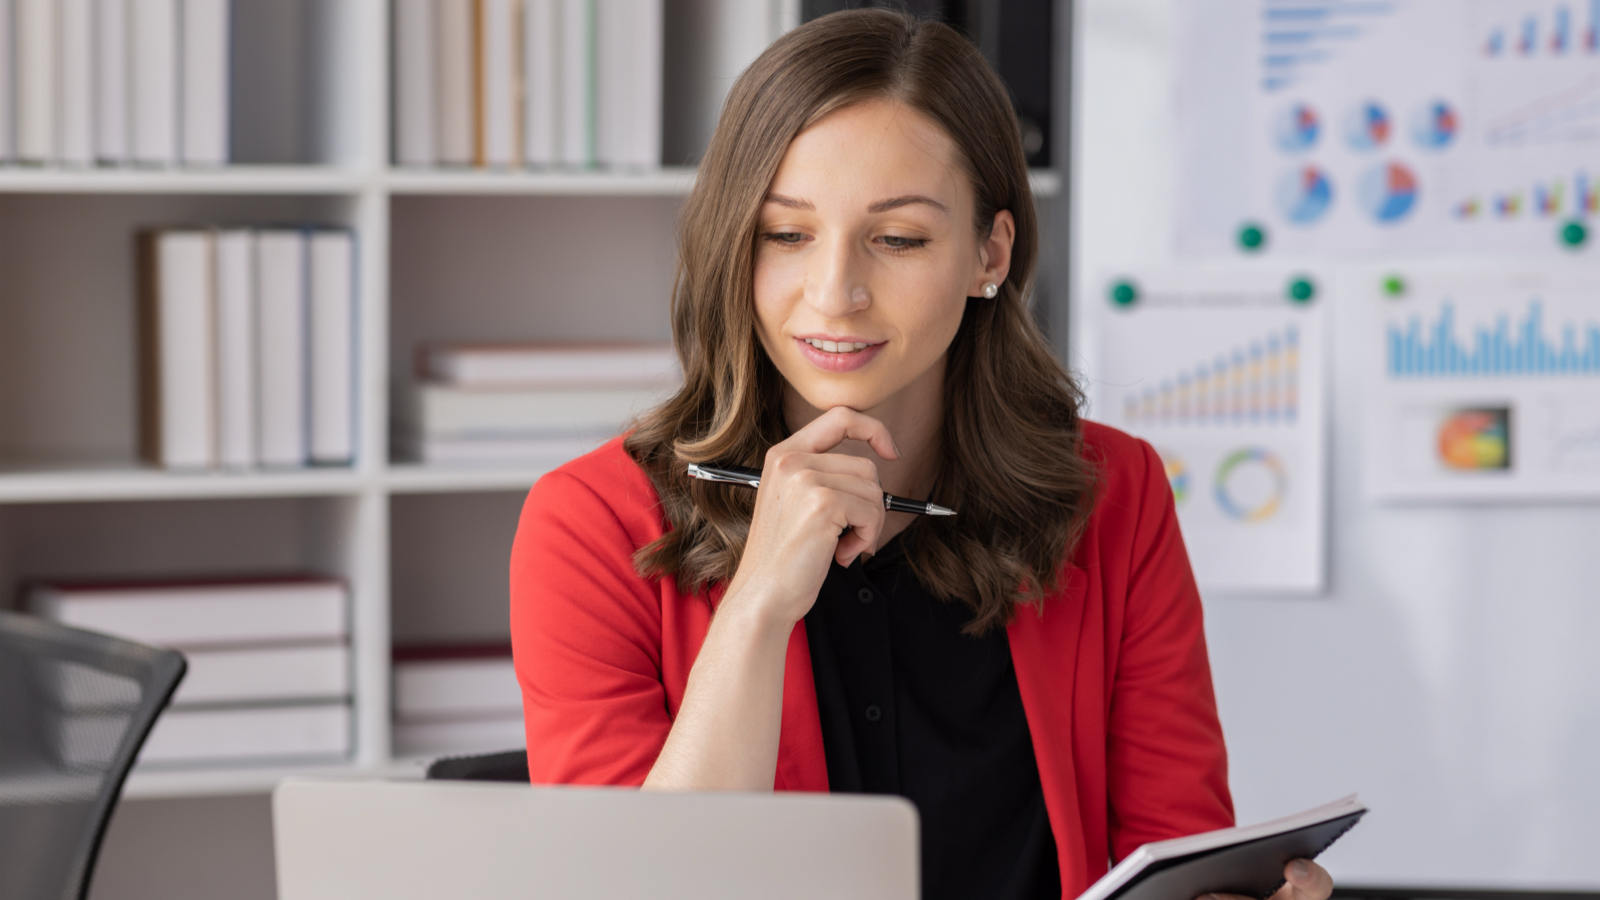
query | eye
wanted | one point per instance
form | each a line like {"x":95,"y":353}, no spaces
{"x":899,"y":244}
{"x":786,"y":238}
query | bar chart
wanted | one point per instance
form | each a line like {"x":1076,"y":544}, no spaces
{"x":1500,"y":349}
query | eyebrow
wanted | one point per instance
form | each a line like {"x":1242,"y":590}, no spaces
{"x":878,"y":207}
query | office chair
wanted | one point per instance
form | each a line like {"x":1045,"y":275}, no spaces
{"x":75,"y":707}
{"x":507,"y":765}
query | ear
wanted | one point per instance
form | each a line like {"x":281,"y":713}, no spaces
{"x":994,"y":254}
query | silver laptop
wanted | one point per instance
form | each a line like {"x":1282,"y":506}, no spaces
{"x":430,"y":840}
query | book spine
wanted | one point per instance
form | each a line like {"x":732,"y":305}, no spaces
{"x":203,"y":122}
{"x":8,"y":147}
{"x":154,"y":28}
{"x":75,"y":81}
{"x":197,"y":617}
{"x":613,"y":67}
{"x":646,"y":94}
{"x":414,"y":78}
{"x":182,"y":383}
{"x":541,"y":82}
{"x":332,"y":356}
{"x":577,"y":88}
{"x":111,"y":80}
{"x":236,"y":356}
{"x":281,"y":348}
{"x":265,"y":674}
{"x":35,"y":45}
{"x":456,"y":687}
{"x":455,"y":77}
{"x":258,"y":733}
{"x":497,"y":82}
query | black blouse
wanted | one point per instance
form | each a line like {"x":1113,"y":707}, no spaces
{"x":912,"y":706}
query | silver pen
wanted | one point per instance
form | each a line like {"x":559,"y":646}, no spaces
{"x":752,"y":478}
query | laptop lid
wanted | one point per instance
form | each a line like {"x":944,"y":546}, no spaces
{"x":425,"y":840}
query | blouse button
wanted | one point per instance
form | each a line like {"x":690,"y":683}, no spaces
{"x":864,"y":595}
{"x":874,"y":713}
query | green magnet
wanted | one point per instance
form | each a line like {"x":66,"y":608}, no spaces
{"x":1302,"y":289}
{"x":1574,"y":234}
{"x":1394,"y":286}
{"x":1124,"y":293}
{"x":1252,"y":237}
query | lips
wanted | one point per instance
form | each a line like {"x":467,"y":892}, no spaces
{"x":838,"y":362}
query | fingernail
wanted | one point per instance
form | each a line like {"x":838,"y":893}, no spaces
{"x":1299,"y":868}
{"x":896,"y":447}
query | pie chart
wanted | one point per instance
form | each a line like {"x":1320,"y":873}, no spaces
{"x":1304,"y":194}
{"x":1367,"y":126}
{"x":1296,"y":128}
{"x":1388,"y":192}
{"x":1435,"y":125}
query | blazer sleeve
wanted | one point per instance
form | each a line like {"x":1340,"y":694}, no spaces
{"x":585,"y":635}
{"x":1167,"y":766}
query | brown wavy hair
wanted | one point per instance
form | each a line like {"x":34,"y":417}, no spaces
{"x":1009,"y":447}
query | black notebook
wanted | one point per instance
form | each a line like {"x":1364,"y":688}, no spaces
{"x":1247,"y":860}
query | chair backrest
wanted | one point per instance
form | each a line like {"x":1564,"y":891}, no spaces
{"x":75,"y":707}
{"x":507,"y":765}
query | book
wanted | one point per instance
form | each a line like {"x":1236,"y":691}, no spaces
{"x":236,"y":350}
{"x":453,"y":61}
{"x":331,"y":381}
{"x":75,"y":82}
{"x":496,"y":84}
{"x":540,"y":81}
{"x":439,"y":410}
{"x":281,"y":348}
{"x":629,"y":83}
{"x":439,"y":738}
{"x":455,"y":682}
{"x":34,"y":43}
{"x":153,"y":26}
{"x":200,"y":614}
{"x":203,"y":88}
{"x":415,"y":141}
{"x":7,"y":84}
{"x":261,"y":733}
{"x":1248,"y":860}
{"x":248,"y":674}
{"x":494,"y":449}
{"x":111,"y":81}
{"x":576,"y":18}
{"x":547,"y":365}
{"x":178,"y":426}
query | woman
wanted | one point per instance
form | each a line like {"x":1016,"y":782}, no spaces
{"x":850,"y":315}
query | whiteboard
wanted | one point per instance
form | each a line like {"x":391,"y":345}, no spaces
{"x":1450,"y":671}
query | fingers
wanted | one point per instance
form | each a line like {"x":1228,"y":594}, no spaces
{"x":1308,"y":880}
{"x":840,"y":424}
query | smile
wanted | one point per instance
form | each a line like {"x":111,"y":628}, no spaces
{"x":833,"y":347}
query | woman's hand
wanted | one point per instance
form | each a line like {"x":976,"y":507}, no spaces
{"x":813,"y":508}
{"x":1306,"y":881}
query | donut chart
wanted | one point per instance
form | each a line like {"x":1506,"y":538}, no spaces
{"x":1388,"y":192}
{"x":1304,"y":194}
{"x":1250,"y":484}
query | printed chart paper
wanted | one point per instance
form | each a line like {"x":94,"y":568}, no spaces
{"x":1402,"y":125}
{"x":1487,"y":385}
{"x":1222,"y":372}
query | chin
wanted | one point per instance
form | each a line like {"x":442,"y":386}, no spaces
{"x":823,"y":397}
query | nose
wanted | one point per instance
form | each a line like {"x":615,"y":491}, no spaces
{"x":836,"y":287}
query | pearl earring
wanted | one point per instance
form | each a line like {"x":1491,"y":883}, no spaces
{"x":991,"y":290}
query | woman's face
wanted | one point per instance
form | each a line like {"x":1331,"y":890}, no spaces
{"x":866,"y":257}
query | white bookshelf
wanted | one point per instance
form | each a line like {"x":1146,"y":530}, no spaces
{"x":444,"y":255}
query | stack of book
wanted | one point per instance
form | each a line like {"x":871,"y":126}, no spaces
{"x":510,"y":83}
{"x":269,"y":664}
{"x":248,"y":356}
{"x":114,"y":81}
{"x":456,"y":699}
{"x":477,"y":403}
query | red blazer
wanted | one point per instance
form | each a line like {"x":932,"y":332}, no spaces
{"x":1114,"y":677}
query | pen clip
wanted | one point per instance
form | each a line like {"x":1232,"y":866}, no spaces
{"x":708,"y":474}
